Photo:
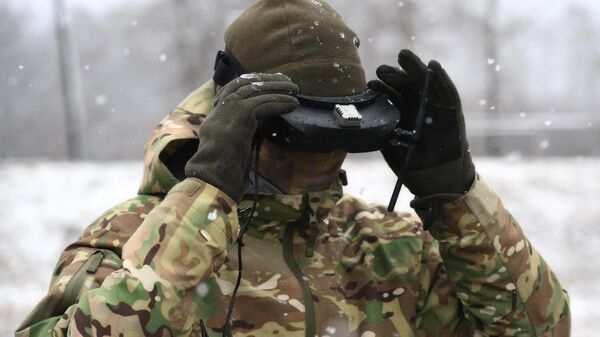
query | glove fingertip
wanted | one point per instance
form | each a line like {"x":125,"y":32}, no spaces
{"x":385,"y":69}
{"x":379,"y":86}
{"x":294,"y":101}
{"x":441,"y":72}
{"x":405,"y":53}
{"x":294,"y":89}
{"x":276,"y":106}
{"x":373,"y":84}
{"x":434,"y":65}
{"x":412,"y":64}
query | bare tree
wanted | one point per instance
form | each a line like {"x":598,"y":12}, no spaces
{"x":71,"y":83}
{"x":187,"y":35}
{"x":493,"y":34}
{"x":9,"y":33}
{"x":490,"y":42}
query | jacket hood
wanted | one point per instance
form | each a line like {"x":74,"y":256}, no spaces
{"x":175,"y":139}
{"x":176,"y":132}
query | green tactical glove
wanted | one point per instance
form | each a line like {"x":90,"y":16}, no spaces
{"x":441,"y":167}
{"x":227,"y":133}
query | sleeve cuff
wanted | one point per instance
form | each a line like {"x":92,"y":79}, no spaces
{"x":193,"y":186}
{"x":480,"y":204}
{"x":429,"y":208}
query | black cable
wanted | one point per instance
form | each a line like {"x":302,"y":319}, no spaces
{"x":240,"y":242}
{"x":411,"y":138}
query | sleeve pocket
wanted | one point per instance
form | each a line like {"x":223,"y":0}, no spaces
{"x":86,"y":271}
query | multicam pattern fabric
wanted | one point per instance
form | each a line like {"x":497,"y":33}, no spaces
{"x":317,"y":264}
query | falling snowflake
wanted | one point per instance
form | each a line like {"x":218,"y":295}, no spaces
{"x":202,"y":289}
{"x":100,"y":100}
{"x":163,"y":58}
{"x":491,"y":61}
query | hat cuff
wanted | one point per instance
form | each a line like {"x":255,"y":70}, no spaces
{"x":331,"y":77}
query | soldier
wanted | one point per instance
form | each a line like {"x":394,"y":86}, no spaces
{"x":316,"y":262}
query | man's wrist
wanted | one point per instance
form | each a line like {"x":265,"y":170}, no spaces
{"x":429,"y":207}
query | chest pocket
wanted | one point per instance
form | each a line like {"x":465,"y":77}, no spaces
{"x":387,"y":255}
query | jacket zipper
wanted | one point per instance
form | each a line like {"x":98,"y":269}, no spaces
{"x":288,"y":255}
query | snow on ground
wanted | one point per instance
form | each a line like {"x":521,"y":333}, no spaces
{"x":47,"y":204}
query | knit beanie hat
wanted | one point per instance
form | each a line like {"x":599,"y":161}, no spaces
{"x":304,"y":39}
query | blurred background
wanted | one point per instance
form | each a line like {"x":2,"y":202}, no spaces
{"x":82,"y":83}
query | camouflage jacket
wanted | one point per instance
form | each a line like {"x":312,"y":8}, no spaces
{"x":319,"y":264}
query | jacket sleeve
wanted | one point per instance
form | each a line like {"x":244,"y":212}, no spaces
{"x":176,"y":248}
{"x":500,"y":284}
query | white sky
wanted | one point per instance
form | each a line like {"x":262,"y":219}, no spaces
{"x":40,"y":11}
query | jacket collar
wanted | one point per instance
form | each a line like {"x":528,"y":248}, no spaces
{"x":276,"y":210}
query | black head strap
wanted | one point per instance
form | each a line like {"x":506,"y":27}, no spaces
{"x":227,"y":68}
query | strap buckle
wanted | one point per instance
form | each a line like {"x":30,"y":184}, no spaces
{"x":226,"y":68}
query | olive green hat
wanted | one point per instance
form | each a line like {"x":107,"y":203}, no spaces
{"x":304,"y":39}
